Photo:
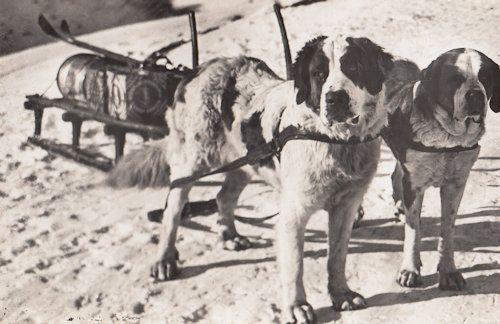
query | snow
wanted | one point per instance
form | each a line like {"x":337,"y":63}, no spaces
{"x":71,"y":248}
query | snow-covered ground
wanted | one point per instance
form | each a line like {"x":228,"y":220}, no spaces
{"x":72,"y":249}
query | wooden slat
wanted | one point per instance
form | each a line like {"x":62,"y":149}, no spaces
{"x":36,"y":102}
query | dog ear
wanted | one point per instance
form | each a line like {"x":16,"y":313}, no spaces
{"x":385,"y":63}
{"x":423,"y":103}
{"x":495,"y":96}
{"x":423,"y":96}
{"x":376,"y":67}
{"x":425,"y":75}
{"x":301,"y":79}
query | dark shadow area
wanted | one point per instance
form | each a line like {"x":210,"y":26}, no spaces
{"x":379,"y":175}
{"x":489,"y":158}
{"x":202,"y":183}
{"x":485,"y":170}
{"x":366,"y":239}
{"x":305,"y":3}
{"x":495,"y":165}
{"x":193,"y":271}
{"x":478,"y":285}
{"x":188,"y":223}
{"x":21,"y":30}
{"x":469,"y":237}
{"x":326,"y":315}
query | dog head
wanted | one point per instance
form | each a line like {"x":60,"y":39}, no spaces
{"x":457,"y":88}
{"x":342,"y":80}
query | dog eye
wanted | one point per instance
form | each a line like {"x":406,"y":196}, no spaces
{"x":455,"y":79}
{"x":319,"y":74}
{"x":352,"y":68}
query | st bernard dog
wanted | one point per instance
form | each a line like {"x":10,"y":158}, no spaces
{"x":229,"y":106}
{"x":433,"y":132}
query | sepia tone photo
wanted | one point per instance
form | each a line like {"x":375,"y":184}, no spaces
{"x":249,"y":161}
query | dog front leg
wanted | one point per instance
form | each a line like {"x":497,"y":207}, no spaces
{"x":409,"y":274}
{"x":451,"y":195}
{"x":340,"y":221}
{"x":290,"y":248}
{"x":165,"y":266}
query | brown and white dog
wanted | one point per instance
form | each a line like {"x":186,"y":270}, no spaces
{"x":434,"y":133}
{"x":231,"y":105}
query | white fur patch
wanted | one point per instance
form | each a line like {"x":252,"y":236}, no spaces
{"x":329,"y":50}
{"x":415,"y":88}
{"x":469,"y":62}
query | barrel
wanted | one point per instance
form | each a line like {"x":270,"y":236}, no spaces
{"x":114,"y":89}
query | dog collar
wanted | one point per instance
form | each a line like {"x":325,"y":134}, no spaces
{"x":417,"y":146}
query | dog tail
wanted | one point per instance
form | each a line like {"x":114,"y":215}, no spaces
{"x":145,"y":167}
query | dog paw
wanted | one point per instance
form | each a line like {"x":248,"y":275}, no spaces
{"x":408,"y":278}
{"x":399,"y":212}
{"x":301,"y":313}
{"x":359,"y":217}
{"x":451,"y":281}
{"x":348,"y":300}
{"x":235,"y":242}
{"x":165,"y":268}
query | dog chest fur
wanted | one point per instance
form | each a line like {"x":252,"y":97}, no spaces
{"x":322,"y":170}
{"x":432,"y":169}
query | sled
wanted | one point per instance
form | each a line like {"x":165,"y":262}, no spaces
{"x":125,"y":94}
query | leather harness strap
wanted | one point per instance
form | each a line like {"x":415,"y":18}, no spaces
{"x":416,"y":146}
{"x":263,"y":151}
{"x":272,"y":147}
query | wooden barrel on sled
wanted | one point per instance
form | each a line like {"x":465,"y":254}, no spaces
{"x":115,"y":89}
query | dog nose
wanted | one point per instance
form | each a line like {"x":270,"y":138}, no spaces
{"x":475,"y":100}
{"x":340,"y":98}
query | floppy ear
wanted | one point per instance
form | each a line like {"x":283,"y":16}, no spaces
{"x":301,"y":80}
{"x":495,"y":97}
{"x":425,"y":75}
{"x":378,"y":65}
{"x":385,"y":63}
{"x":423,"y":97}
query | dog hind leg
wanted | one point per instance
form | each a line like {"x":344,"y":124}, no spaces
{"x":227,"y":199}
{"x":397,"y":190}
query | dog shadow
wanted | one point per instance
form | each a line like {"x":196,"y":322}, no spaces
{"x":478,"y":285}
{"x":477,"y":237}
{"x":193,"y":271}
{"x":468,"y":237}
